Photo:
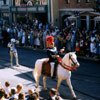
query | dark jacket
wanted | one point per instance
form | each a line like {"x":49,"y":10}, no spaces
{"x":51,"y":52}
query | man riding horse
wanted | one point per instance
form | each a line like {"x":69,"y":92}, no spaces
{"x":52,"y":53}
{"x":65,"y":65}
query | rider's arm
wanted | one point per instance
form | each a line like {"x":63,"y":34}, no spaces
{"x":61,"y":50}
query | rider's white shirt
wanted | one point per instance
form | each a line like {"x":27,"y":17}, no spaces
{"x":53,"y":49}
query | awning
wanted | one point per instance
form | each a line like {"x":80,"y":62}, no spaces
{"x":90,"y":13}
{"x":97,"y":18}
{"x":72,"y":17}
{"x":66,"y":13}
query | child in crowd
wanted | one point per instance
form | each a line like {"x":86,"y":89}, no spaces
{"x":21,"y":96}
{"x":33,"y":95}
{"x":30,"y":91}
{"x":2,"y":94}
{"x":7,"y":88}
{"x":53,"y":95}
{"x":19,"y":88}
{"x":13,"y":95}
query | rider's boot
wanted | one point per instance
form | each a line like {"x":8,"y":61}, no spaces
{"x":55,"y":70}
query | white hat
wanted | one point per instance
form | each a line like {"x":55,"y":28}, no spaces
{"x":12,"y":40}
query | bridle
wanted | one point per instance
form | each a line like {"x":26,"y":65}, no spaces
{"x":73,"y":60}
{"x":67,"y":67}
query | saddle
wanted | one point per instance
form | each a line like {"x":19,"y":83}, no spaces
{"x":46,"y":68}
{"x":49,"y":69}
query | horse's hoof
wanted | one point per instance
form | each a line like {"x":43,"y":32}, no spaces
{"x":74,"y":98}
{"x":36,"y":86}
{"x":45,"y":89}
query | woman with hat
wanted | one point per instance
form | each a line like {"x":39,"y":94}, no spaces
{"x":13,"y":51}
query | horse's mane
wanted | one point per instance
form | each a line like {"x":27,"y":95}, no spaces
{"x":67,"y":54}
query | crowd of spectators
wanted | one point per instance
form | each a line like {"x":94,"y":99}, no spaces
{"x":84,"y":42}
{"x":16,"y":93}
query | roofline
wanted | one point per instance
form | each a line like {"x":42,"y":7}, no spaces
{"x":76,"y":9}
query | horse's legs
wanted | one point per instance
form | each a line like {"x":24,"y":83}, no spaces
{"x":71,"y":88}
{"x":44,"y":82}
{"x":58,"y":84}
{"x":36,"y":77}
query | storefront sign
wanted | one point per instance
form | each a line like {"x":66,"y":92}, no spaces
{"x":6,"y":14}
{"x":13,"y":9}
{"x":32,"y":9}
{"x":21,"y":9}
{"x":4,"y":9}
{"x":41,"y":9}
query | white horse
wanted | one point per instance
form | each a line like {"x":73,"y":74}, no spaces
{"x":62,"y":72}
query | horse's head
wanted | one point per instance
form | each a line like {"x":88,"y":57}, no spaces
{"x":73,"y":59}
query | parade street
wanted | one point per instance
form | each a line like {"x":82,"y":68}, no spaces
{"x":85,"y":80}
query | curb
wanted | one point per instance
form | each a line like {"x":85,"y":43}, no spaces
{"x":79,"y":57}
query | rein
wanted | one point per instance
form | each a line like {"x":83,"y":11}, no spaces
{"x":70,"y":68}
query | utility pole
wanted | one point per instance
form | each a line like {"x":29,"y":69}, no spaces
{"x":49,"y":11}
{"x":10,"y":13}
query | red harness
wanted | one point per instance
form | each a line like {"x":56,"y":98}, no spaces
{"x":70,"y":68}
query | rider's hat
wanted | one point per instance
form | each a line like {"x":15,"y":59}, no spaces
{"x":50,"y":39}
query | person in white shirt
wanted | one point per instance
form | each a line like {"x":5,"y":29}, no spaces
{"x":13,"y":94}
{"x":7,"y":88}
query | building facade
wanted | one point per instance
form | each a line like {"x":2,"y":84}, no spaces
{"x":82,"y":12}
{"x":5,"y":9}
{"x":23,"y":10}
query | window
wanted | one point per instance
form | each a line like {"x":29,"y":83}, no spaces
{"x":23,"y":2}
{"x":87,"y":1}
{"x":67,"y":1}
{"x":78,"y":1}
{"x":44,"y":2}
{"x":4,"y":2}
{"x":17,"y":2}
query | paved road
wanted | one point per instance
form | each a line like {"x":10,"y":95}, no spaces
{"x":85,"y":80}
